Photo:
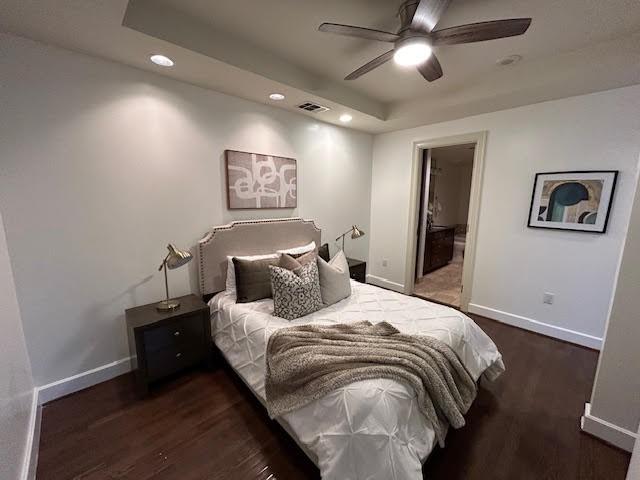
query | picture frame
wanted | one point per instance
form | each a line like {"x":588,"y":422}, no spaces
{"x":260,"y":181}
{"x":577,"y":200}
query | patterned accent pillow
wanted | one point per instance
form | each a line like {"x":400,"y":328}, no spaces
{"x":295,"y":294}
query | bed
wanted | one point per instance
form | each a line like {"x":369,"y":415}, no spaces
{"x":370,"y":429}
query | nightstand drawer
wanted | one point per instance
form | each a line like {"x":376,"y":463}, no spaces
{"x":173,"y":359}
{"x":180,"y":332}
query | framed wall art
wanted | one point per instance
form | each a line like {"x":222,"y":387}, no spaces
{"x":260,"y":181}
{"x":579,"y":201}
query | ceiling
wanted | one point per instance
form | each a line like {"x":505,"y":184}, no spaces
{"x":256,"y":47}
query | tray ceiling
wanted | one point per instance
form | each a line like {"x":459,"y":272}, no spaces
{"x":254,"y":47}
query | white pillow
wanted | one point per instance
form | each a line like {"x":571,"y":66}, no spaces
{"x":231,"y":270}
{"x":299,"y":250}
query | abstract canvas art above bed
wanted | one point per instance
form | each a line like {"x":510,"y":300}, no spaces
{"x":578,"y":201}
{"x":260,"y":181}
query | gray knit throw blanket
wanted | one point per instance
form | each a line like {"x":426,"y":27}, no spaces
{"x":307,"y":362}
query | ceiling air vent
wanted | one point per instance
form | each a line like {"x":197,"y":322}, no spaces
{"x":313,"y":107}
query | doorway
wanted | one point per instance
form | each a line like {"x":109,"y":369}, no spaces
{"x":446,"y":182}
{"x":444,"y":210}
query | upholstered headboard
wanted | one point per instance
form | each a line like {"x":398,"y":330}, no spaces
{"x":248,"y":237}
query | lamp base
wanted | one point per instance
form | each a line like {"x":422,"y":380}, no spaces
{"x":167,"y":305}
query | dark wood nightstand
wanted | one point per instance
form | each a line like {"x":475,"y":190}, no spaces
{"x":357,"y":270}
{"x":167,"y":342}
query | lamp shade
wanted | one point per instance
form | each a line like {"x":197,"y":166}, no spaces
{"x":177,"y":258}
{"x":356,"y":232}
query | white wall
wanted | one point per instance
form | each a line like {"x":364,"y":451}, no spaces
{"x":515,"y":265}
{"x":16,"y":384}
{"x":447,"y":193}
{"x":103,"y":164}
{"x":453,"y":188}
{"x":616,"y":391}
{"x":634,"y":464}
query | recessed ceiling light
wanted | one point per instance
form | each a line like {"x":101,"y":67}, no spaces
{"x":276,"y":96}
{"x":510,"y":60}
{"x":413,"y":52}
{"x":161,"y":60}
{"x":345,"y":118}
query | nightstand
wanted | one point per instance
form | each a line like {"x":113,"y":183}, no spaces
{"x":164,"y":343}
{"x":357,"y":270}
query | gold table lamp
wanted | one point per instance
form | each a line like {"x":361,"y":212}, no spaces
{"x":355,"y":233}
{"x":174,"y":259}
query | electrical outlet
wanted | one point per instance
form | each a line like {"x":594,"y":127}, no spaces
{"x":385,"y":262}
{"x":548,"y":298}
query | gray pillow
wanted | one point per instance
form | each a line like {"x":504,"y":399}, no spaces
{"x":253,"y":281}
{"x":334,"y":279}
{"x":295,"y":294}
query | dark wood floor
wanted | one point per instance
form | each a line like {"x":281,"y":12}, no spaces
{"x":207,"y":425}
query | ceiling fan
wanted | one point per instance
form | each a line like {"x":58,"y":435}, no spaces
{"x":416,"y":37}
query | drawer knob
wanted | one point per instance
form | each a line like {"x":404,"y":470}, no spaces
{"x":176,"y":333}
{"x":178,"y":355}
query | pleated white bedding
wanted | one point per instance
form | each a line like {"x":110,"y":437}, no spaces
{"x":371,"y":429}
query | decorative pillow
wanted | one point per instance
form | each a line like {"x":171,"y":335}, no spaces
{"x":230,"y":284}
{"x":298,"y":250}
{"x":292,"y":262}
{"x":335,"y":284}
{"x":253,"y":280}
{"x":323,"y":252}
{"x":295,"y":294}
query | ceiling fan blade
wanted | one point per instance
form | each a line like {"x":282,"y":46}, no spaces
{"x":479,"y":32}
{"x":367,"y":67}
{"x":428,"y":14}
{"x":431,"y":69}
{"x":359,"y":32}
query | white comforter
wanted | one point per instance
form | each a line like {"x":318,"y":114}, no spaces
{"x":370,"y":429}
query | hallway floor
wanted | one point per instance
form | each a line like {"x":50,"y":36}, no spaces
{"x":443,"y":285}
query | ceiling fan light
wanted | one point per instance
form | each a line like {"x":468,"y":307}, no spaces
{"x":413,"y":53}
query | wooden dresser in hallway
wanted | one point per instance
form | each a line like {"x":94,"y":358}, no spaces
{"x":438,"y":247}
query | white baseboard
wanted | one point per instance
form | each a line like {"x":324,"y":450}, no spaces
{"x":30,"y":461}
{"x":610,"y":433}
{"x":47,"y":393}
{"x":83,"y":380}
{"x":537,"y":326}
{"x":384,"y":283}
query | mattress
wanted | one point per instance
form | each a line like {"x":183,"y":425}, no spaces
{"x":371,"y":429}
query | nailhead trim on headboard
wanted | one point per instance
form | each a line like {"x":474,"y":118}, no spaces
{"x":208,"y":238}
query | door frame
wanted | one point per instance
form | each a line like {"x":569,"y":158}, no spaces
{"x":480,"y":140}
{"x":423,"y":186}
